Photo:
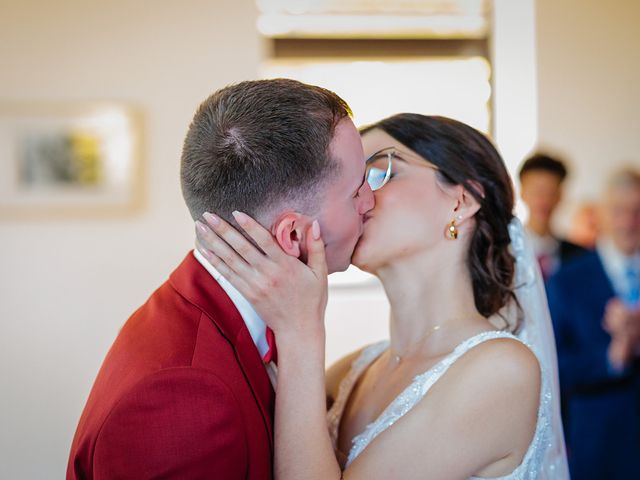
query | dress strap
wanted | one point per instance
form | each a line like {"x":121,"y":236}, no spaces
{"x":416,"y":390}
{"x":359,"y":365}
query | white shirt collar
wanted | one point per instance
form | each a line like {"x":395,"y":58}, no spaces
{"x":256,"y":326}
{"x":615,"y":264}
{"x":543,"y":245}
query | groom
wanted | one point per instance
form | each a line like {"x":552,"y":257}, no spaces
{"x":184,"y":391}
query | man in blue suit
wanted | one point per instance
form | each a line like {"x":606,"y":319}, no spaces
{"x":594,"y":303}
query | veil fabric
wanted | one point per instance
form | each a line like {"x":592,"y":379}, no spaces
{"x":537,"y":331}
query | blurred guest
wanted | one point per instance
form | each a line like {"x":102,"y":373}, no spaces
{"x":594,"y":302}
{"x":541,"y":180}
{"x":584,"y":226}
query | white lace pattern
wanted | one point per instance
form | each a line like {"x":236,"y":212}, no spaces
{"x":532,"y":462}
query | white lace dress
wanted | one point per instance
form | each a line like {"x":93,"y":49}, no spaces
{"x":410,"y":396}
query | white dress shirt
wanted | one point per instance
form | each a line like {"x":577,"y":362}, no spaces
{"x":615,"y":264}
{"x":256,"y":326}
{"x":547,"y":251}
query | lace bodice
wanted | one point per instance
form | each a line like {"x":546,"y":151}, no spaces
{"x":418,"y":388}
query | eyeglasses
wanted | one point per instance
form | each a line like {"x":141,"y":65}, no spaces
{"x":379,"y":167}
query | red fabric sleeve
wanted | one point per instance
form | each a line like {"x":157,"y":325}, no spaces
{"x":178,"y":423}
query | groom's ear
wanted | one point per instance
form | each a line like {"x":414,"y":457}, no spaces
{"x":289,"y":230}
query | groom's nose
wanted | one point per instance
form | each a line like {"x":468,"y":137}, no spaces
{"x":367,"y":200}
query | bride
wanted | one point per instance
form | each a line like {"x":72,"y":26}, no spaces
{"x":466,"y":386}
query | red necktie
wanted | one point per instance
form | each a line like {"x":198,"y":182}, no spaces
{"x":546,"y":264}
{"x":272,"y":353}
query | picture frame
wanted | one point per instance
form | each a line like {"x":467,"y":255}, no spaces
{"x":70,"y":160}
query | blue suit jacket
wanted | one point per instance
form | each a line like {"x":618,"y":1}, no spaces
{"x":600,"y":406}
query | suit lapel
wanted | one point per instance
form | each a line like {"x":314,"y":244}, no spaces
{"x":196,"y":284}
{"x":600,"y":293}
{"x":604,"y":282}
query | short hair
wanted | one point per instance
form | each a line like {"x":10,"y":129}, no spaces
{"x":623,"y":179}
{"x":257,"y":144}
{"x":544,"y":163}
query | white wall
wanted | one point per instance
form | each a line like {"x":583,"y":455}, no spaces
{"x":588,"y":87}
{"x":67,"y":286}
{"x":513,"y":61}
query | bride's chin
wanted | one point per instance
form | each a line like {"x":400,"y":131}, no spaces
{"x":357,"y":257}
{"x":362,"y":257}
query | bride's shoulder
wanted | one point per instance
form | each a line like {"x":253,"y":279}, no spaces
{"x":501,"y":371}
{"x":498,"y":381}
{"x":505,"y":359}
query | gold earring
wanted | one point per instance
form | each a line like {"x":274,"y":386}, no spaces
{"x":452,"y":230}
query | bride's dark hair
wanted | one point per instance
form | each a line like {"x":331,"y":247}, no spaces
{"x":465,"y":156}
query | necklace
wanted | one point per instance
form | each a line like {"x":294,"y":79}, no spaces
{"x":398,"y":358}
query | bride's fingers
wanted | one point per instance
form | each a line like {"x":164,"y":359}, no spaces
{"x":234,"y":238}
{"x":261,"y":235}
{"x":216,"y":245}
{"x":316,"y":259}
{"x":225,"y":271}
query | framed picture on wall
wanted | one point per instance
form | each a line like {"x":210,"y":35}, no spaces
{"x":69,"y":160}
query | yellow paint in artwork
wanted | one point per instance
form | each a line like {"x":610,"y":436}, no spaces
{"x":85,"y":150}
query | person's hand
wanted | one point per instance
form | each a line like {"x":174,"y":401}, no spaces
{"x":620,"y":320}
{"x":633,"y":327}
{"x":623,"y":324}
{"x":290,"y":296}
{"x":620,"y":353}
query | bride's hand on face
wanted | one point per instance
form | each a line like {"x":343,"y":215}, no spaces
{"x":289,"y":295}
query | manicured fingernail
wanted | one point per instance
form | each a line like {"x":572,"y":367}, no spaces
{"x":201,"y":226}
{"x":240,"y":217}
{"x":211,"y":218}
{"x":315,"y":229}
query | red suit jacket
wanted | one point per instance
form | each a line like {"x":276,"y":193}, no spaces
{"x":183,"y":392}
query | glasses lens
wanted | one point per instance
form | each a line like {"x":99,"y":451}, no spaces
{"x":379,"y":170}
